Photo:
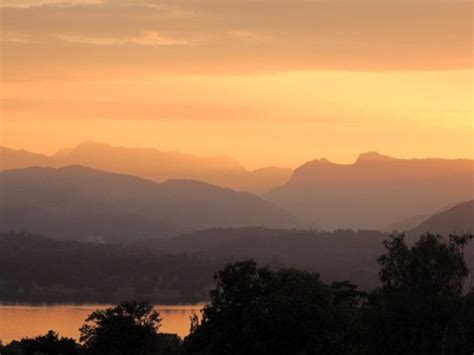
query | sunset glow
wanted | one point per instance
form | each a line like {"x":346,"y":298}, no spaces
{"x":206,"y":81}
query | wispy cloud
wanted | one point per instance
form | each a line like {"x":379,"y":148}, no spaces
{"x":36,"y":3}
{"x":232,"y":36}
{"x":146,"y":38}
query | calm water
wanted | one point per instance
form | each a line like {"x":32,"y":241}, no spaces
{"x":19,"y":321}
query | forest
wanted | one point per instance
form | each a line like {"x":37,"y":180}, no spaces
{"x":37,"y":269}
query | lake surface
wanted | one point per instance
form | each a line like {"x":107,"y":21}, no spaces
{"x":19,"y":321}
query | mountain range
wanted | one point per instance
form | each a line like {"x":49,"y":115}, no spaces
{"x":374,"y":191}
{"x":81,"y":203}
{"x":153,"y":164}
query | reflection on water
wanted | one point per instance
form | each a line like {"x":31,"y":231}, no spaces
{"x":19,"y":321}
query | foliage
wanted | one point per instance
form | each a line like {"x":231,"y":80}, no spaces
{"x":430,"y":267}
{"x":50,"y":344}
{"x":130,"y":327}
{"x":419,"y":308}
{"x":259,"y":311}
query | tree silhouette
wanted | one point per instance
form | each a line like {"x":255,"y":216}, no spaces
{"x":129,"y":328}
{"x":430,"y":267}
{"x":420,"y":309}
{"x":259,"y":311}
{"x":49,"y":344}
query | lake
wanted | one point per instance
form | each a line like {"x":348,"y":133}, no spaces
{"x":19,"y":321}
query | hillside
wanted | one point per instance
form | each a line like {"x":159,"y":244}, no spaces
{"x":373,"y":192}
{"x":107,"y":206}
{"x":339,"y":255}
{"x":456,"y":220}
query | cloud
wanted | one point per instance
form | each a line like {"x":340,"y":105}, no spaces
{"x":147,"y":38}
{"x":59,"y":38}
{"x":36,"y":3}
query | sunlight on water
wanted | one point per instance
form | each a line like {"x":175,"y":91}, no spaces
{"x":19,"y":321}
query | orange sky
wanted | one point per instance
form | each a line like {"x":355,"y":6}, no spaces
{"x":266,"y":82}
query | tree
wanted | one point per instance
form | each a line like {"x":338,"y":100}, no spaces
{"x":420,"y":308}
{"x":347,"y":304}
{"x":129,"y":328}
{"x":49,"y":344}
{"x":259,"y":311}
{"x":430,"y":267}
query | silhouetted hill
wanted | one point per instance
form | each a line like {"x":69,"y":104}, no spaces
{"x":82,"y":203}
{"x":14,"y":159}
{"x":375,"y":191}
{"x":456,"y":220}
{"x":153,"y":164}
{"x":339,"y":255}
{"x":406,"y":223}
{"x":39,"y":269}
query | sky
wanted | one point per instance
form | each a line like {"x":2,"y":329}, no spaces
{"x":266,"y":82}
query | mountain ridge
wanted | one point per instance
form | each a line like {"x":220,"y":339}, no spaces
{"x":458,"y":219}
{"x":153,"y":164}
{"x":172,"y":207}
{"x":374,"y":191}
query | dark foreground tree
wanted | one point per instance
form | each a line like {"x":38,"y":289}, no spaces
{"x":129,"y":328}
{"x":49,"y":344}
{"x":258,"y":311}
{"x":420,"y":308}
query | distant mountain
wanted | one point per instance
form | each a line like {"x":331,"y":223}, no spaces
{"x":373,"y":192}
{"x":154,"y":165}
{"x":456,"y":220}
{"x":407,"y":224}
{"x":82,"y":203}
{"x":14,"y":159}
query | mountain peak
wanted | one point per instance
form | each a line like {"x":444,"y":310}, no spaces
{"x":372,"y":157}
{"x":322,"y":161}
